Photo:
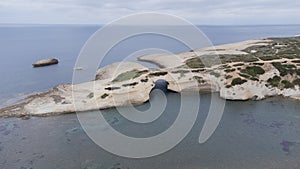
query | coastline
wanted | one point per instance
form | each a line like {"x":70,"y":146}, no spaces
{"x":247,"y":70}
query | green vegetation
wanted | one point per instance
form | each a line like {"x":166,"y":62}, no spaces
{"x":129,"y":75}
{"x":91,"y":95}
{"x":144,"y":80}
{"x":296,"y":61}
{"x":158,"y":74}
{"x":216,"y":74}
{"x":225,"y":67}
{"x":237,"y":58}
{"x":253,"y":71}
{"x":180,"y":71}
{"x":198,"y":70}
{"x":296,"y":82}
{"x":104,"y":96}
{"x":228,"y":76}
{"x":199,"y":79}
{"x":194,"y":63}
{"x":287,"y":84}
{"x":244,"y":75}
{"x":112,"y":88}
{"x":238,"y":81}
{"x":229,"y":70}
{"x":238,"y":64}
{"x":275,"y":81}
{"x":259,"y":64}
{"x":285,"y":69}
{"x":254,"y":79}
{"x":130,"y":84}
{"x":268,"y":58}
{"x":228,"y":86}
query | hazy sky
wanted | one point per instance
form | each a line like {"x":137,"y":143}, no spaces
{"x":205,"y":12}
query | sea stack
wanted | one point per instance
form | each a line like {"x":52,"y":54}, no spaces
{"x":45,"y":62}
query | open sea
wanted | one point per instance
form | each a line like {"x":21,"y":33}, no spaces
{"x":251,"y":134}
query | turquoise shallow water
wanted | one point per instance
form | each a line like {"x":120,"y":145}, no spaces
{"x":252,"y":134}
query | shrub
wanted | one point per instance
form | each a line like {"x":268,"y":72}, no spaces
{"x":253,"y":70}
{"x":112,"y":88}
{"x":199,"y":79}
{"x":259,"y":64}
{"x":229,"y":70}
{"x":238,"y":81}
{"x":274,"y":81}
{"x":238,"y":64}
{"x":296,"y":82}
{"x":104,"y":96}
{"x":267,"y":58}
{"x":228,"y":76}
{"x":130,"y":84}
{"x":296,"y":61}
{"x":158,"y":74}
{"x":287,"y":84}
{"x":285,"y":69}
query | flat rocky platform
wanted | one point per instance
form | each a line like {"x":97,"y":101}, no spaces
{"x":253,"y":69}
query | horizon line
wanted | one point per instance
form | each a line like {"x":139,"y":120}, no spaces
{"x":94,"y":24}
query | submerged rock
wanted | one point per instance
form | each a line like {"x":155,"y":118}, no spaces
{"x":45,"y":62}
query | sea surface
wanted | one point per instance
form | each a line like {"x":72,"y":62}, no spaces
{"x":251,"y":134}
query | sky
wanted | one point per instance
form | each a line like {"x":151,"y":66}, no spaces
{"x":200,"y":12}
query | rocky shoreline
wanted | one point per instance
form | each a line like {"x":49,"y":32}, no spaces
{"x":253,"y":69}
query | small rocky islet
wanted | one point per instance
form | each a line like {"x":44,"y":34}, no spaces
{"x":45,"y":62}
{"x":253,"y":69}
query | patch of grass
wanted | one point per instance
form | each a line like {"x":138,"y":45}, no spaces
{"x":104,"y":96}
{"x":225,"y":67}
{"x":268,"y":58}
{"x":194,"y":63}
{"x":215,"y":74}
{"x":253,"y":70}
{"x":275,"y":81}
{"x":259,"y":64}
{"x":91,"y":95}
{"x":254,"y":79}
{"x":228,"y":86}
{"x":296,"y":61}
{"x":238,"y":81}
{"x":198,"y":70}
{"x":130,"y":84}
{"x":229,"y":70}
{"x":129,"y":75}
{"x":112,"y":88}
{"x":284,"y":69}
{"x":228,"y":76}
{"x":180,"y":71}
{"x":287,"y":84}
{"x":296,"y":82}
{"x":158,"y":74}
{"x":239,"y":64}
{"x":199,"y":79}
{"x":144,"y":80}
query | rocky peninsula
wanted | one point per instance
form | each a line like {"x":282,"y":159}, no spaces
{"x":253,"y":69}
